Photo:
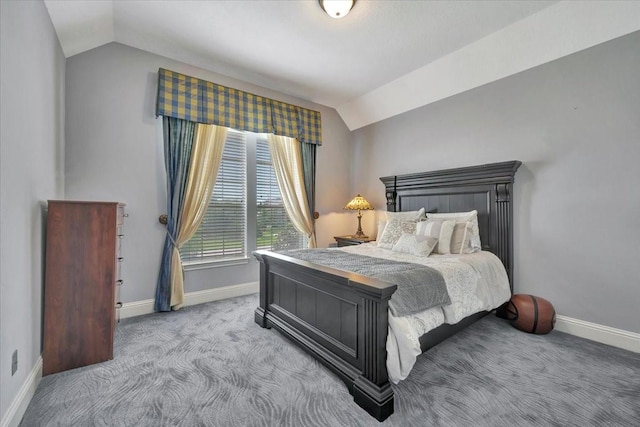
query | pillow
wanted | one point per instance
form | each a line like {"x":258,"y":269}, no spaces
{"x":461,"y":237}
{"x":415,"y":245}
{"x":406,"y":216}
{"x":392,"y":232}
{"x":472,"y":217}
{"x":441,"y":230}
{"x":381,"y":225}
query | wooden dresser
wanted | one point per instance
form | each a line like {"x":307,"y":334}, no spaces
{"x":82,"y":273}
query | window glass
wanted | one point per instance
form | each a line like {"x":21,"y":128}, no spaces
{"x":223,"y":234}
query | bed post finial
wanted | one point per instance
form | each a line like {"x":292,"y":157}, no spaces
{"x":391,"y":196}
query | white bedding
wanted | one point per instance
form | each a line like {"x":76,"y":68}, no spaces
{"x":475,"y":282}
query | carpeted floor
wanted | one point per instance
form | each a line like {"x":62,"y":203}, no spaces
{"x":211,"y":365}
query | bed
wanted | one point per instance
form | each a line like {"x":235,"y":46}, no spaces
{"x":342,"y":318}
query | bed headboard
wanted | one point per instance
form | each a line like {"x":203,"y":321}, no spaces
{"x":485,"y":188}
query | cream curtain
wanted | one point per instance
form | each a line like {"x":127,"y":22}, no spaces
{"x":203,"y":169}
{"x":286,"y":157}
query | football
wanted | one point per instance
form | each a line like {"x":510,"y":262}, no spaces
{"x":531,"y":314}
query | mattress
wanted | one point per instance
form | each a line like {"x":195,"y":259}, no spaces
{"x":475,"y":282}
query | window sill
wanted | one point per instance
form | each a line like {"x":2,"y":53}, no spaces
{"x":203,"y":265}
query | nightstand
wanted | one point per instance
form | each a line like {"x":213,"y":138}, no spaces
{"x":351,"y":240}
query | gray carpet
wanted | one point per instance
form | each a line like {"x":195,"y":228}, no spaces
{"x":211,"y":365}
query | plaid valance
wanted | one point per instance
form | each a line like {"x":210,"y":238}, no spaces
{"x":200,"y":101}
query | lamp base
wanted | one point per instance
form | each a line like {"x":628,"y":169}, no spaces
{"x":359,"y":234}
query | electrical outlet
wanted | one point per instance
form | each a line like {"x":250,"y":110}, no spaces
{"x":14,"y":362}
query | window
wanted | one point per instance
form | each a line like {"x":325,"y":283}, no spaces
{"x":245,"y":211}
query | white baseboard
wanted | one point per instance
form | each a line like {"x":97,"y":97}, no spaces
{"x":138,"y":308}
{"x":602,"y":334}
{"x":18,"y":407}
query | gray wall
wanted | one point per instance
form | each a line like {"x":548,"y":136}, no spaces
{"x":32,"y":70}
{"x":114,"y":152}
{"x":575,"y":124}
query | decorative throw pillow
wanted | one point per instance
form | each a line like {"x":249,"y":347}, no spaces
{"x":392,"y":232}
{"x":460,"y":239}
{"x":441,"y":230}
{"x":406,"y":216}
{"x":472,"y":217}
{"x":415,"y":245}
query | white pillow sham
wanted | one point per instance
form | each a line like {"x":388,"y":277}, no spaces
{"x":407,"y":216}
{"x":381,"y":225}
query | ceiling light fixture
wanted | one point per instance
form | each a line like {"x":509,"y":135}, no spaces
{"x":337,"y":8}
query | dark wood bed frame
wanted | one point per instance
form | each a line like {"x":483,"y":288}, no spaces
{"x":341,"y":318}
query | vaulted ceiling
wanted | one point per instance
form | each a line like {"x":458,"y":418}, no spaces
{"x":383,"y":58}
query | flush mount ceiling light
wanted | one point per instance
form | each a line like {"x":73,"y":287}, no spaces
{"x":337,"y":8}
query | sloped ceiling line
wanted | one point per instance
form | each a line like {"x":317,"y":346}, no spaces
{"x":383,"y":59}
{"x":557,"y":31}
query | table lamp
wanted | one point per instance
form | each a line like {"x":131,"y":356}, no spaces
{"x":359,"y":203}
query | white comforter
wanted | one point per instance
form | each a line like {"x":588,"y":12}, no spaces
{"x":475,"y":282}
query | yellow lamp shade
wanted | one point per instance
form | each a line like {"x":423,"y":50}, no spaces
{"x":358,"y":203}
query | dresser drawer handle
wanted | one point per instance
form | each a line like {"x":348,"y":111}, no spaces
{"x":118,"y":307}
{"x":120,"y":236}
{"x":119,"y":282}
{"x":120,"y":259}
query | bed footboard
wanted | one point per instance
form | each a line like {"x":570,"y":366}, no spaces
{"x":339,"y":318}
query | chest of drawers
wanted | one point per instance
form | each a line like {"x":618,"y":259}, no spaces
{"x":82,"y":273}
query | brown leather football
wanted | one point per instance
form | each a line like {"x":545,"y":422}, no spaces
{"x":531,"y":314}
